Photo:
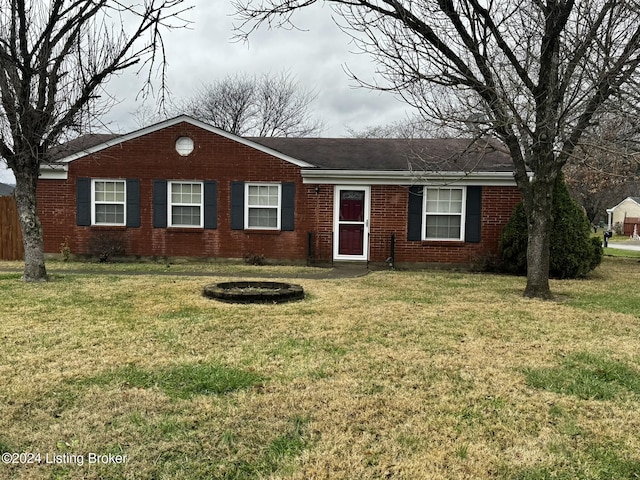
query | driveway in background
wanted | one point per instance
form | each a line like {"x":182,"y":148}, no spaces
{"x":625,"y":246}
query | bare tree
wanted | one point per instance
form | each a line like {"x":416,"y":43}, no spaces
{"x":605,"y":166}
{"x":55,"y":57}
{"x":259,"y":106}
{"x":538,"y":72}
{"x":414,"y":127}
{"x":227,"y":104}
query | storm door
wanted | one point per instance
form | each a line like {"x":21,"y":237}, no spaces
{"x":351,"y":238}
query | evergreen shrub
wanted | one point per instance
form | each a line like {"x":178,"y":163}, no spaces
{"x":574,"y":253}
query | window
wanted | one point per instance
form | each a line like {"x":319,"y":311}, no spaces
{"x":185,"y":204}
{"x":184,"y":146}
{"x":263,"y":206}
{"x":444,"y":213}
{"x":109,"y":200}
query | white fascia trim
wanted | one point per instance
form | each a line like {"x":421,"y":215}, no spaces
{"x":628,"y":198}
{"x":54,"y":172}
{"x":174,"y":121}
{"x":376,"y":177}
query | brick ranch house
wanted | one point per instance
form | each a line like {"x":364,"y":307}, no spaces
{"x":182,"y":188}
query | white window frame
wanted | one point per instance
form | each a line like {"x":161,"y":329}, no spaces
{"x":248,"y":207}
{"x":94,"y":203}
{"x":462,"y":213}
{"x":170,"y":203}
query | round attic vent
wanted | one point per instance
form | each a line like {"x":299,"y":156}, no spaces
{"x":184,"y":146}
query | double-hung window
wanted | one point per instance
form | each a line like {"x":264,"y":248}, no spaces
{"x":262,"y":204}
{"x":444,"y":213}
{"x":109,"y":201}
{"x":185,"y":204}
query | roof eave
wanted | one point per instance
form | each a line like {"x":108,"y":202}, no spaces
{"x":633,"y":199}
{"x":394,"y":177}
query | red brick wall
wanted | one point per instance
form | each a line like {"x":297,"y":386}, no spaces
{"x":320,"y":201}
{"x":153,"y":157}
{"x":389,"y":214}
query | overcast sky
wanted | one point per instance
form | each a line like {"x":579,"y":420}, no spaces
{"x":316,"y":57}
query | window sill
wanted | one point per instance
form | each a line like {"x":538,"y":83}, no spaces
{"x":109,"y":227}
{"x":185,"y":229}
{"x":257,"y":231}
{"x":443,"y":243}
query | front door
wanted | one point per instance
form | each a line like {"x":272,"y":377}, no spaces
{"x":351,"y":239}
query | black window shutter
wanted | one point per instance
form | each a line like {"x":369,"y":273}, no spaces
{"x":210,"y":204}
{"x":159,"y":204}
{"x":473,"y":222}
{"x":287,"y":220}
{"x":133,"y":203}
{"x":414,"y":223}
{"x":237,"y":205}
{"x":83,"y":202}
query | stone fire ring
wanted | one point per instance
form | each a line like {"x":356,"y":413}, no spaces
{"x":254,"y":292}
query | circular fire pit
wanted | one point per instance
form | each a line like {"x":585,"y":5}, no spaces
{"x":254,"y":292}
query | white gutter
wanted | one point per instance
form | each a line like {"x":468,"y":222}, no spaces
{"x":54,"y":172}
{"x":395,"y":177}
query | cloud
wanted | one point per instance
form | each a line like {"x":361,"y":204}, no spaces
{"x":316,"y":54}
{"x":6,"y":175}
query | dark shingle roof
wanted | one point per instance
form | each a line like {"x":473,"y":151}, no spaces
{"x":6,"y":190}
{"x":387,"y":154}
{"x":363,"y":154}
{"x":79,"y":144}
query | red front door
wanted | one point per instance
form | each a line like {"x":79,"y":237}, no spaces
{"x":351,"y":223}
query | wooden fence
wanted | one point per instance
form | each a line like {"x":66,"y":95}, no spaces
{"x":629,"y":224}
{"x":10,"y":234}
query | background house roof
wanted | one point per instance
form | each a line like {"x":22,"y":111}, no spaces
{"x":5,"y":189}
{"x":385,"y":154}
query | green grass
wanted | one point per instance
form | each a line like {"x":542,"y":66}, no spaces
{"x":180,"y":381}
{"x":601,"y":463}
{"x":619,"y":252}
{"x":587,"y":376}
{"x":403,"y":375}
{"x":163,"y":267}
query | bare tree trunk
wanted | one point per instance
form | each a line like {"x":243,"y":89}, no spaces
{"x":538,"y":256}
{"x":32,"y":239}
{"x":540,"y":221}
{"x":55,"y":58}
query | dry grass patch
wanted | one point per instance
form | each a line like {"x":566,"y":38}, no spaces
{"x":393,"y":375}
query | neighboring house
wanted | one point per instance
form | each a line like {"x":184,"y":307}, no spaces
{"x":628,"y":208}
{"x":6,"y":190}
{"x":625,"y":217}
{"x":183,"y":188}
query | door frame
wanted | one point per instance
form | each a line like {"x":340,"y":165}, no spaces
{"x":336,"y":222}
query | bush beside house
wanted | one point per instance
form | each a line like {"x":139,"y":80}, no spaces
{"x":573,"y":253}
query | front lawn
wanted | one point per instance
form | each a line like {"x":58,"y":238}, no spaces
{"x":619,"y":252}
{"x":407,"y":375}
